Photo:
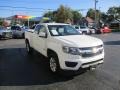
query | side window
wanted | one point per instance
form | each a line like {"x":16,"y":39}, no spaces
{"x":42,"y":29}
{"x":37,"y":29}
{"x":13,"y":28}
{"x":76,"y":27}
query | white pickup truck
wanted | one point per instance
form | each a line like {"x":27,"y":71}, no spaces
{"x":65,"y":47}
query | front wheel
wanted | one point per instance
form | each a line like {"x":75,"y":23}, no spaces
{"x":54,"y":63}
{"x":23,"y":35}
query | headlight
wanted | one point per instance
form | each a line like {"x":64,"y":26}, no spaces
{"x":71,"y":50}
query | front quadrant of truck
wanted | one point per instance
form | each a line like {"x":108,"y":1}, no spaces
{"x":65,"y":47}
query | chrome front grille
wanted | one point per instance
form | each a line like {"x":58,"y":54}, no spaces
{"x":91,"y":51}
{"x":89,"y":48}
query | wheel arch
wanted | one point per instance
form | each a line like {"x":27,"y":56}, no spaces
{"x":50,"y":51}
{"x":26,"y":40}
{"x":54,"y":53}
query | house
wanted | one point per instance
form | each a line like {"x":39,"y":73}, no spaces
{"x":90,"y":21}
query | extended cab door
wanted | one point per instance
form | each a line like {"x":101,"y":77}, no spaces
{"x":40,"y":39}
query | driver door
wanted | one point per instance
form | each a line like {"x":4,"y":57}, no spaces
{"x":39,"y":42}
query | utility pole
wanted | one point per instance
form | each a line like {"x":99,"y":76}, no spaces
{"x":99,"y":17}
{"x":96,"y":1}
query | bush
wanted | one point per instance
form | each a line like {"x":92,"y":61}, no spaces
{"x":116,"y":30}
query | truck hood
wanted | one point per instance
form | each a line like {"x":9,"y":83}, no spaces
{"x":79,"y":40}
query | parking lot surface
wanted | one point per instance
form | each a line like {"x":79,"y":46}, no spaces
{"x":20,"y":71}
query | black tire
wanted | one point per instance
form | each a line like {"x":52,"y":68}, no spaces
{"x":54,"y":63}
{"x":23,"y":35}
{"x":0,"y":37}
{"x":90,"y":32}
{"x":28,"y":48}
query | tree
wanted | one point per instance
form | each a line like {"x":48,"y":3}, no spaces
{"x":1,"y":21}
{"x":114,"y":11}
{"x":112,"y":14}
{"x":76,"y":16}
{"x":63,"y":14}
{"x":91,"y":14}
{"x":104,"y":17}
{"x":51,"y":15}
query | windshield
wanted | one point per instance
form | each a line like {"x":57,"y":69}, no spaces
{"x":76,"y":27}
{"x":83,"y":27}
{"x":62,"y":30}
{"x":17,"y":28}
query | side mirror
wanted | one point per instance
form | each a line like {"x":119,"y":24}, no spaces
{"x":42,"y":34}
{"x":19,"y":29}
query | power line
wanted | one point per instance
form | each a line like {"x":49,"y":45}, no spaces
{"x":24,"y":8}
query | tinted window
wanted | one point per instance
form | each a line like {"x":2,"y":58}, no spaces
{"x":15,"y":28}
{"x":37,"y":28}
{"x":33,"y":27}
{"x":76,"y":27}
{"x":40,"y":28}
{"x":82,"y":26}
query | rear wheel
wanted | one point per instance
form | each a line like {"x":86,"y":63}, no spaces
{"x":0,"y":36}
{"x":90,"y":32}
{"x":28,"y":48}
{"x":23,"y":35}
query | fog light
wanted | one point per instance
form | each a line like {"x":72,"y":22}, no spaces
{"x":70,"y":64}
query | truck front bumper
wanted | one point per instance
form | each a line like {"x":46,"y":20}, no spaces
{"x":76,"y":64}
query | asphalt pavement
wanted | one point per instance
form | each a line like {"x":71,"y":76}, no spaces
{"x":20,"y":71}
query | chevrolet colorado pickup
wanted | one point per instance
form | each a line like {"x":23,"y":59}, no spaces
{"x":65,"y":47}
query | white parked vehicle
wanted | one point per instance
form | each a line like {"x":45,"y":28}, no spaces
{"x":77,"y":28}
{"x":92,"y":31}
{"x":65,"y":47}
{"x":82,"y":29}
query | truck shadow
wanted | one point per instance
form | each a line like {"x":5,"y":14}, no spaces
{"x":112,"y":43}
{"x":17,"y":68}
